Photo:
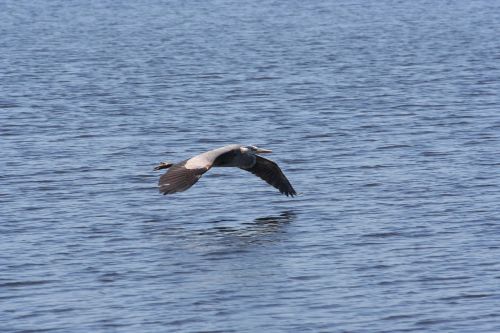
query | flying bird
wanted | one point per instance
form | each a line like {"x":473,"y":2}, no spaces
{"x":181,"y":176}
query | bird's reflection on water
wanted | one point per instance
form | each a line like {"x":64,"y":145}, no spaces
{"x":227,"y":233}
{"x":261,"y":229}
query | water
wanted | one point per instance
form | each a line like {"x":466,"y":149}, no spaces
{"x":384,"y":116}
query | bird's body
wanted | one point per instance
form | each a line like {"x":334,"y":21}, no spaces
{"x":185,"y":174}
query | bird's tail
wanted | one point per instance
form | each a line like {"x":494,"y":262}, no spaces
{"x":163,"y":165}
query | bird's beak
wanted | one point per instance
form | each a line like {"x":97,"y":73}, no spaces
{"x":263,"y":151}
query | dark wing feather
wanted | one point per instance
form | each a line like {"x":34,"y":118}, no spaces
{"x":272,"y":174}
{"x":178,"y":178}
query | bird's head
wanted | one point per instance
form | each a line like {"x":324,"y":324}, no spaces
{"x":254,"y":150}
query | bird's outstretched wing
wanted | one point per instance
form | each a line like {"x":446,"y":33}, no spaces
{"x":272,"y":174}
{"x":179,"y":178}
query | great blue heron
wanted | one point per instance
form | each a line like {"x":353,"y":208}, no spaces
{"x":185,"y":174}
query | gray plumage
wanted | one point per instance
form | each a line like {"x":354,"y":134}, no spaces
{"x":183,"y":175}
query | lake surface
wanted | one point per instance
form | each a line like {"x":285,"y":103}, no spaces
{"x":384,"y":115}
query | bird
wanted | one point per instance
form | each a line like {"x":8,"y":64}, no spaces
{"x":181,"y":176}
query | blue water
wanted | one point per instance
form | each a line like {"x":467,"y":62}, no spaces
{"x":384,"y":115}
